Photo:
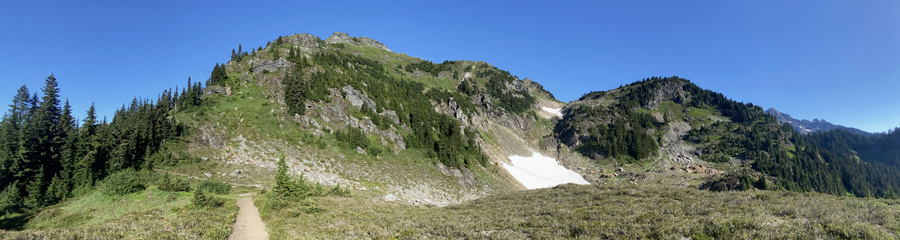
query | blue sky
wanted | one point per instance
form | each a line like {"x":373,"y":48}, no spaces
{"x":833,"y":60}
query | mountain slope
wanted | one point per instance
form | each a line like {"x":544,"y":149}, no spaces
{"x":816,"y":125}
{"x":348,"y":111}
{"x":672,"y":122}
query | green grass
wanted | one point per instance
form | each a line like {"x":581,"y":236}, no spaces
{"x":148,"y":214}
{"x":598,"y":212}
{"x":98,"y":207}
{"x":673,"y":110}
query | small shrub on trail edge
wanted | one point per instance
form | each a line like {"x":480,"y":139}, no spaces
{"x":214,"y":187}
{"x":122,"y":182}
{"x":202,"y":199}
{"x":289,"y":190}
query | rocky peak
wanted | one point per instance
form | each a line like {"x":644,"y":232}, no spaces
{"x":304,"y":41}
{"x":339,"y":37}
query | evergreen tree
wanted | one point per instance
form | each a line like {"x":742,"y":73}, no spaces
{"x":761,"y":183}
{"x":35,"y":190}
{"x":10,"y":198}
{"x":59,"y":188}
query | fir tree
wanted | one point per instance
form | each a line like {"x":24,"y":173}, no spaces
{"x":35,"y":190}
{"x":10,"y":198}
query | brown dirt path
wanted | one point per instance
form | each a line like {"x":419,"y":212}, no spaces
{"x":248,"y":225}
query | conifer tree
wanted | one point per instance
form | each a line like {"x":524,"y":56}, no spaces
{"x":88,"y":165}
{"x":10,"y":198}
{"x":35,"y":189}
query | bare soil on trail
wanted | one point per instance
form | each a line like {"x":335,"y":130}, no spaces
{"x":248,"y":225}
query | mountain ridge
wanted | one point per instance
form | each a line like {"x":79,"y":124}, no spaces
{"x":816,"y":125}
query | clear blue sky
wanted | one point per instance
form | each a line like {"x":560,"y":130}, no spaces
{"x":834,"y":60}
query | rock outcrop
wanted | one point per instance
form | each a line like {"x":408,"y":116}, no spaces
{"x":270,"y":65}
{"x":304,"y":42}
{"x":339,"y":37}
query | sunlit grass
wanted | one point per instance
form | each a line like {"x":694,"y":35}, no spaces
{"x":604,"y":211}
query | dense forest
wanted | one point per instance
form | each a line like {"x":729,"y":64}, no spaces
{"x":46,"y":155}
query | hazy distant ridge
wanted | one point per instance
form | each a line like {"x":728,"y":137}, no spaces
{"x":816,"y":125}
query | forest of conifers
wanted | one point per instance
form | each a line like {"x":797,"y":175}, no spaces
{"x":46,"y":155}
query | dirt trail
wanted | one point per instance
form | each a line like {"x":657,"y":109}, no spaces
{"x":202,"y":178}
{"x":248,"y":224}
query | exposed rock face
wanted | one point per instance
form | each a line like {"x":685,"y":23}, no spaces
{"x":816,"y":125}
{"x":210,"y":136}
{"x":217,"y":89}
{"x":305,"y":42}
{"x":357,"y":98}
{"x":669,"y":91}
{"x":339,"y":37}
{"x":271,"y":66}
{"x":457,"y":111}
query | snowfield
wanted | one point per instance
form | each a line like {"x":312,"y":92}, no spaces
{"x":539,"y":171}
{"x":555,"y":111}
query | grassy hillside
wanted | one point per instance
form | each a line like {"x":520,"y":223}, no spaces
{"x":146,"y":214}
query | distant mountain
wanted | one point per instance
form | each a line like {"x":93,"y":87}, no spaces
{"x":816,"y":125}
{"x":671,"y":123}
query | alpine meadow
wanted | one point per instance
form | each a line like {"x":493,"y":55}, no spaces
{"x":306,"y":137}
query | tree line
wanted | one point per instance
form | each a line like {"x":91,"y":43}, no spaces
{"x":46,"y":155}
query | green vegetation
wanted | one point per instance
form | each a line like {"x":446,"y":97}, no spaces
{"x":498,"y":82}
{"x":724,"y":129}
{"x":602,"y":211}
{"x":292,"y":193}
{"x":46,"y":158}
{"x":170,"y":183}
{"x":149,"y":213}
{"x":625,"y":138}
{"x":214,"y":186}
{"x":438,"y":134}
{"x":429,"y":67}
{"x":353,"y":137}
{"x":122,"y":182}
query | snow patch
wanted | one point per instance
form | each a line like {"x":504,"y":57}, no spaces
{"x":555,"y":111}
{"x":539,"y":171}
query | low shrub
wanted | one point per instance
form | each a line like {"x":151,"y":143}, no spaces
{"x":203,"y":199}
{"x":173,"y":184}
{"x":122,"y":182}
{"x":214,"y":186}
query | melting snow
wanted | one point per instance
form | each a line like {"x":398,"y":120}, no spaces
{"x":555,"y":111}
{"x":539,"y":171}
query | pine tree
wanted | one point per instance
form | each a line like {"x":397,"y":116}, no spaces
{"x":59,"y":188}
{"x":10,"y":198}
{"x":35,"y":190}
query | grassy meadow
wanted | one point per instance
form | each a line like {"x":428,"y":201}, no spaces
{"x":610,"y":211}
